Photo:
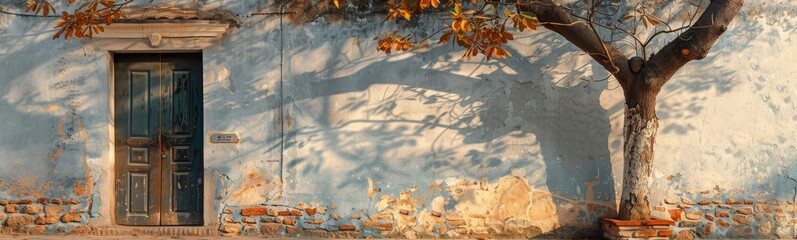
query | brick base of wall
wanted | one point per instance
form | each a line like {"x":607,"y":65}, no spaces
{"x":42,"y":216}
{"x":651,"y":229}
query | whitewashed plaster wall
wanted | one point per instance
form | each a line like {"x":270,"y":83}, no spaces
{"x":356,"y":120}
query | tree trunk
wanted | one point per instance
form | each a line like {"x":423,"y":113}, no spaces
{"x":639,"y":134}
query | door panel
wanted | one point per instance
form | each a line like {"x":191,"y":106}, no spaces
{"x":182,"y":126}
{"x":158,"y":139}
{"x":137,"y":166}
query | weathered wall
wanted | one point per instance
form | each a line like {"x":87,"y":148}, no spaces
{"x":411,"y":144}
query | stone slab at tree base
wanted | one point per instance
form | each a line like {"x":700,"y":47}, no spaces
{"x":645,"y":229}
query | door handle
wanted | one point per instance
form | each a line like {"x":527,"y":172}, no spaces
{"x":163,"y":156}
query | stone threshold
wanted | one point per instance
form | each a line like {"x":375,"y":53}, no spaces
{"x":156,"y":231}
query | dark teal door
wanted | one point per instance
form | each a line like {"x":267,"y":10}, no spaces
{"x":158,"y":122}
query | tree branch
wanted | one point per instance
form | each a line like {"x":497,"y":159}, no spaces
{"x":582,"y":35}
{"x":692,"y":44}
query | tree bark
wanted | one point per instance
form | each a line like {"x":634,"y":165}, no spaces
{"x":639,"y":136}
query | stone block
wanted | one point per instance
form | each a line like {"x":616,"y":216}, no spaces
{"x":310,"y":211}
{"x":688,"y":224}
{"x":646,"y":233}
{"x":72,"y":201}
{"x":675,"y":214}
{"x":18,"y":221}
{"x":709,"y":217}
{"x":707,"y":229}
{"x":53,"y":210}
{"x":457,"y":222}
{"x":70,"y":217}
{"x":765,"y":228}
{"x":81,"y":230}
{"x":230,"y":228}
{"x":43,"y":200}
{"x":46,"y":220}
{"x":35,"y":229}
{"x":722,"y":223}
{"x":248,"y":220}
{"x":745,"y":211}
{"x":347,"y":227}
{"x":733,"y":201}
{"x":685,"y":235}
{"x":665,"y":232}
{"x":12,"y":208}
{"x":291,"y":229}
{"x":33,"y":209}
{"x":762,"y":208}
{"x":271,"y":228}
{"x":721,"y":214}
{"x":296,"y":213}
{"x":289,"y":221}
{"x":694,"y":215}
{"x":56,"y":201}
{"x":250,"y":228}
{"x":254,"y":211}
{"x":21,"y":201}
{"x":781,"y":217}
{"x":743,"y":230}
{"x":742,"y":219}
{"x":704,"y":202}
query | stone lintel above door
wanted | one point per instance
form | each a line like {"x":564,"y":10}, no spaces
{"x":164,"y":27}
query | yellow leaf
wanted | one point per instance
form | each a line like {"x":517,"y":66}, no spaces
{"x":435,"y":3}
{"x":337,"y":3}
{"x":406,"y":14}
{"x":423,"y":4}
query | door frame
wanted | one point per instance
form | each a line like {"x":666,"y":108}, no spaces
{"x":108,"y":193}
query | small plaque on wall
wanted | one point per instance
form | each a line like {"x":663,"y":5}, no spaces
{"x":224,"y":138}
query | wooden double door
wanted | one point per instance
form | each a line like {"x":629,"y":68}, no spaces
{"x":158,"y":122}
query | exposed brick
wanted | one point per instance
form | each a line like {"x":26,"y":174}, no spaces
{"x":347,"y":227}
{"x":687,"y":201}
{"x":70,"y":217}
{"x":404,"y":211}
{"x":46,"y":220}
{"x":779,"y":210}
{"x":291,"y":229}
{"x":704,"y":202}
{"x":289,"y":221}
{"x":689,"y":223}
{"x":721,"y":214}
{"x":694,"y":215}
{"x":43,"y":200}
{"x":733,"y":201}
{"x":315,"y":221}
{"x":248,"y":220}
{"x":671,"y":201}
{"x":56,"y":201}
{"x":254,"y":211}
{"x":72,"y":201}
{"x":12,"y":208}
{"x":388,"y":227}
{"x":33,"y":209}
{"x":268,"y":220}
{"x":230,"y":228}
{"x":227,"y":211}
{"x":335,"y":216}
{"x":21,"y":201}
{"x":18,"y":221}
{"x":716,"y":201}
{"x":684,"y":206}
{"x":284,"y":213}
{"x":745,"y":211}
{"x":740,"y":219}
{"x":356,"y":216}
{"x":436,"y":214}
{"x":748,"y":202}
{"x":646,"y":233}
{"x":665,"y":232}
{"x":271,"y":228}
{"x":3,"y":202}
{"x":2,"y":217}
{"x":296,"y":213}
{"x":442,"y":230}
{"x":457,"y":222}
{"x":310,"y":211}
{"x":722,"y":223}
{"x":781,"y":217}
{"x":675,"y":214}
{"x":709,"y":217}
{"x":725,"y":206}
{"x":35,"y":229}
{"x":273,"y":211}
